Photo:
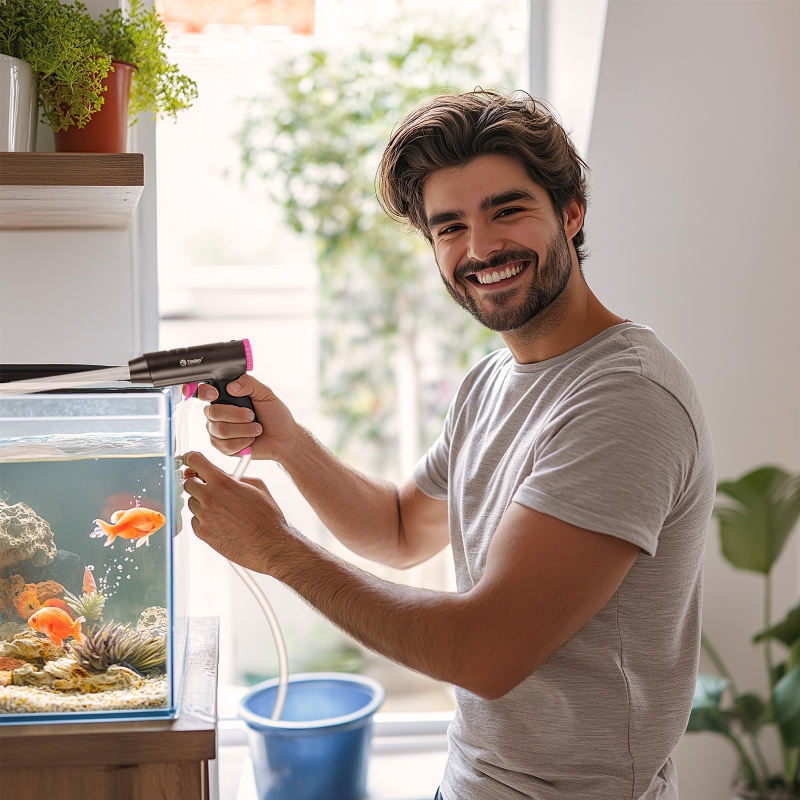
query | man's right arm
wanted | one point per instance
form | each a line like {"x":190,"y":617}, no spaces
{"x":397,"y":526}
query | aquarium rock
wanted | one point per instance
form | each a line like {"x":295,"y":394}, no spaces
{"x":153,"y":621}
{"x":66,"y":675}
{"x":24,"y":536}
{"x":8,"y":630}
{"x":31,"y":647}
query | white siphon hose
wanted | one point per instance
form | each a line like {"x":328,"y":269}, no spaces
{"x":277,"y":635}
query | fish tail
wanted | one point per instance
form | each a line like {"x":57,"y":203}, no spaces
{"x":104,"y":526}
{"x":110,"y":540}
{"x":76,"y":630}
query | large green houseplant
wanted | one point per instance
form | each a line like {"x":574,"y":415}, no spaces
{"x":68,"y":63}
{"x":757,"y":514}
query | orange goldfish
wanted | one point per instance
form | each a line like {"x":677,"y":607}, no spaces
{"x":57,"y":625}
{"x":89,"y":586}
{"x":132,"y":523}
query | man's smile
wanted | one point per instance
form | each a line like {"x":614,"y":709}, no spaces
{"x":498,"y":274}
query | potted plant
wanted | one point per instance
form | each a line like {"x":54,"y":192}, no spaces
{"x":135,"y":40}
{"x":757,"y":513}
{"x":67,"y":63}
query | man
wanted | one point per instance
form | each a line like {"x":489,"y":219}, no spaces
{"x":574,"y":479}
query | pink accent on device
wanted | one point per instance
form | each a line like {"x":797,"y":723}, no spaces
{"x":248,"y":351}
{"x":191,"y":389}
{"x":245,"y":452}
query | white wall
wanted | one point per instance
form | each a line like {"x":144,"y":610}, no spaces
{"x":83,"y":296}
{"x":695,"y":152}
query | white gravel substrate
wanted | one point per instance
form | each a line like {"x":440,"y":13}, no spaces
{"x":32,"y":699}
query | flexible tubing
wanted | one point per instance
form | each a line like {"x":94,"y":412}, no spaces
{"x":277,"y":635}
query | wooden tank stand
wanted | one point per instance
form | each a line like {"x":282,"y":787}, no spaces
{"x":126,"y":760}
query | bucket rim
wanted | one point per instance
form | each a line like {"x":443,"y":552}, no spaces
{"x":262,"y":723}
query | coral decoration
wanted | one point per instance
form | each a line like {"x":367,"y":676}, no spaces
{"x":6,"y":662}
{"x":117,"y":644}
{"x":47,"y":590}
{"x":24,"y":599}
{"x":26,"y":602}
{"x":87,"y":605}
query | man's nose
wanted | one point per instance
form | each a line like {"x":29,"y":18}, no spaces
{"x":484,"y":242}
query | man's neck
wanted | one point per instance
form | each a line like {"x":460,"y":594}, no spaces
{"x":575,"y":317}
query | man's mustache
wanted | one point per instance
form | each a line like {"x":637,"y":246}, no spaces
{"x":501,"y":259}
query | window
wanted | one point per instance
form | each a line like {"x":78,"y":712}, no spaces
{"x":230,"y":267}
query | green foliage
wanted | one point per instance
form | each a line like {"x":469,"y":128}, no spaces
{"x":137,"y":36}
{"x":757,"y":513}
{"x":69,"y":66}
{"x":315,"y":140}
{"x":89,"y":606}
{"x":71,"y":53}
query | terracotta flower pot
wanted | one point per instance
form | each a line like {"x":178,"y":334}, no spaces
{"x":107,"y":130}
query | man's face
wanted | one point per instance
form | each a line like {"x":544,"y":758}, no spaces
{"x":502,"y":251}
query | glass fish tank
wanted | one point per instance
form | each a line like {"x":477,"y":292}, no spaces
{"x":92,"y":566}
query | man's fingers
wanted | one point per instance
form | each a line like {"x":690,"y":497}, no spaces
{"x":206,"y":392}
{"x":201,"y":468}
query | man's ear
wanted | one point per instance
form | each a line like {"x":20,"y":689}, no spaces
{"x":573,"y":218}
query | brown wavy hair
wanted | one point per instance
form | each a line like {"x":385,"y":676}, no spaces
{"x":453,"y":129}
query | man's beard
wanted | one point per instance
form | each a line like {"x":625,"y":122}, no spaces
{"x":548,"y":283}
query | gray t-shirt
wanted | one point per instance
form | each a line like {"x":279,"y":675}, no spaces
{"x":610,"y":436}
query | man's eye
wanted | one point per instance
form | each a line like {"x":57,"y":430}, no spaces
{"x":508,"y":211}
{"x":449,"y":229}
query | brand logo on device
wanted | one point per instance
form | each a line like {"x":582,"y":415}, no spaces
{"x":191,"y":362}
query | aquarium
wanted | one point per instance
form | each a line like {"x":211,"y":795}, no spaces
{"x":92,"y":563}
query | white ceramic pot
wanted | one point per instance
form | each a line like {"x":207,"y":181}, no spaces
{"x":18,"y":106}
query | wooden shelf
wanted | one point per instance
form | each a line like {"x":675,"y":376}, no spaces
{"x":69,"y":190}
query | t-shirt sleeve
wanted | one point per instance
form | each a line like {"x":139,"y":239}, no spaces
{"x":614,"y":459}
{"x":431,"y":471}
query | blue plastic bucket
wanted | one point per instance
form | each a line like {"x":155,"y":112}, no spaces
{"x":319,"y":749}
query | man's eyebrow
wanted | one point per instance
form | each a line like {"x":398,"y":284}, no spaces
{"x":492,"y":201}
{"x":511,"y":196}
{"x":442,"y":217}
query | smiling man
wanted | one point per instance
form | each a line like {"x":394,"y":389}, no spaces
{"x":573,"y":478}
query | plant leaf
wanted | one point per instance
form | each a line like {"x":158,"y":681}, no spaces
{"x":786,"y":631}
{"x":761,"y":509}
{"x":749,"y":709}
{"x":786,"y":702}
{"x":706,"y":713}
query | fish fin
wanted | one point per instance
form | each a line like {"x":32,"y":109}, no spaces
{"x":143,"y":540}
{"x":144,"y":527}
{"x":117,"y":515}
{"x":55,"y":640}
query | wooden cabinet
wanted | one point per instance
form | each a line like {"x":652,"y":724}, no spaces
{"x":141,"y":760}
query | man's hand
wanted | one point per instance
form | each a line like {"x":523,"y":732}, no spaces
{"x":238,"y":518}
{"x":232,"y":428}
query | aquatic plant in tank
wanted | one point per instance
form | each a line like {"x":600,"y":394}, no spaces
{"x":91,"y":563}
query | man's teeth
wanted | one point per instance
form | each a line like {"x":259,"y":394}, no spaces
{"x":498,"y":275}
